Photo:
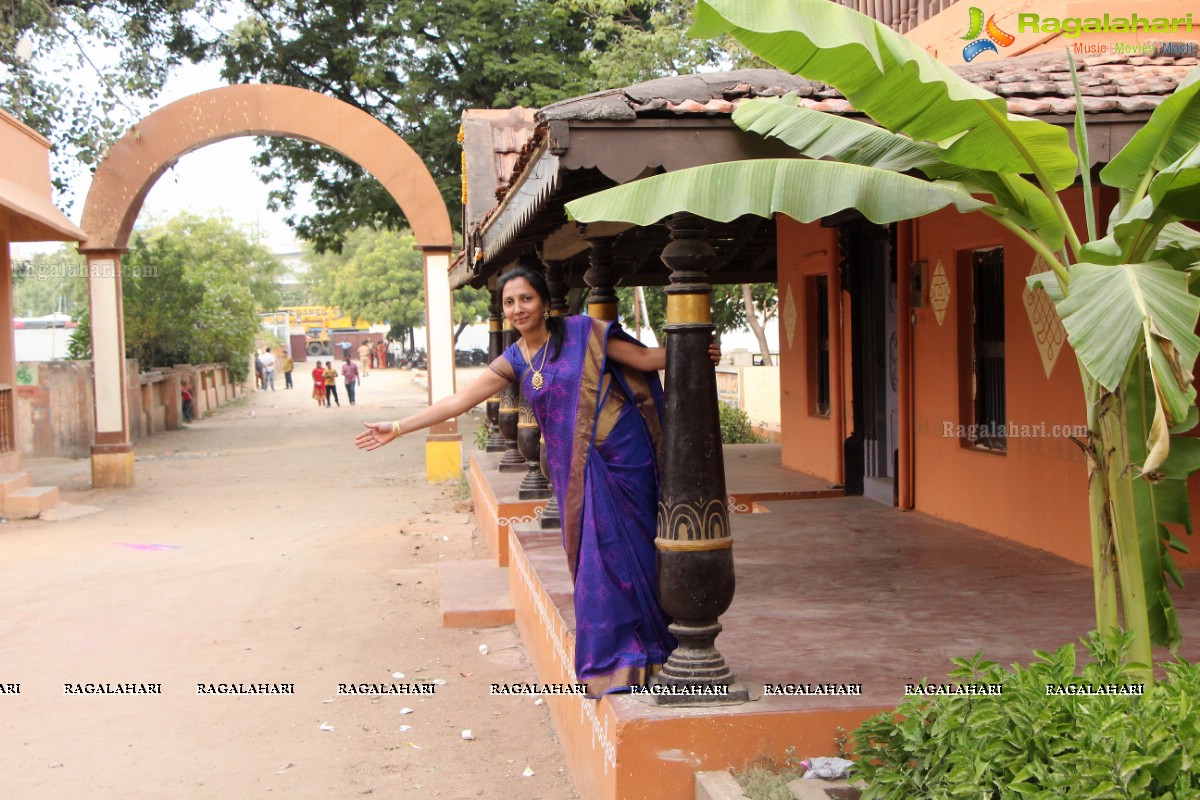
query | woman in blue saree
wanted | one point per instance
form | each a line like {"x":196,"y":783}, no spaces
{"x":596,"y":396}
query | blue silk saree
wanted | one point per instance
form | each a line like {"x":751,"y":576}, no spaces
{"x":601,"y":422}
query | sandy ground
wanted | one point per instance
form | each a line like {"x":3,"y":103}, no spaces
{"x":260,"y":547}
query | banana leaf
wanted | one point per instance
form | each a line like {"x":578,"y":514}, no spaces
{"x":827,"y":136}
{"x":803,"y":190}
{"x":894,"y":82}
{"x":1104,"y":317}
{"x":1176,"y":188}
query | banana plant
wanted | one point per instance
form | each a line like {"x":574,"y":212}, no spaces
{"x":1127,"y":299}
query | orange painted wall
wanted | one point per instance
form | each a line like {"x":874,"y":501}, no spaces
{"x":1036,"y":493}
{"x":810,"y":443}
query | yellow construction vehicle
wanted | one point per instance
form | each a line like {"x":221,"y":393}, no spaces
{"x":319,"y":323}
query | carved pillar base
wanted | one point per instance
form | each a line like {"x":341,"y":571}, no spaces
{"x":535,"y":486}
{"x":697,"y":665}
{"x":495,"y":441}
{"x":702,"y":580}
{"x":550,"y":515}
{"x":512,"y":461}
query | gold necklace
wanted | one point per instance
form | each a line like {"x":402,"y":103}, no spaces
{"x":537,"y":381}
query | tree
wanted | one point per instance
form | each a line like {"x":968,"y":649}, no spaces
{"x":470,"y":307}
{"x":50,"y":282}
{"x":417,"y":65}
{"x":1124,"y":297}
{"x":636,"y":41}
{"x":81,"y":71}
{"x":379,"y":276}
{"x":746,"y":305}
{"x":192,"y":289}
{"x":414,"y":65}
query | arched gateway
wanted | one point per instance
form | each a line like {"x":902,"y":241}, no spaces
{"x":137,"y":160}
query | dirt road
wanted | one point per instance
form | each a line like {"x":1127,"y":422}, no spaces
{"x":260,"y":549}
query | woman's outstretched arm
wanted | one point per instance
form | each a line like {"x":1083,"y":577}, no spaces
{"x":377,"y":434}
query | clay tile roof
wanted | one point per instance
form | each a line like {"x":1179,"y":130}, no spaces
{"x":701,"y":93}
{"x":1033,"y":84}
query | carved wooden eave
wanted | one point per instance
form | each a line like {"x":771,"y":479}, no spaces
{"x":589,"y":143}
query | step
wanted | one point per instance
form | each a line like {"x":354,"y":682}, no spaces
{"x":30,"y":502}
{"x":474,"y":594}
{"x":13,"y":482}
{"x":718,"y":785}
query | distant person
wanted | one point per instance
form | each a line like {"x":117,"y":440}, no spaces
{"x":364,"y":358}
{"x":380,"y":354}
{"x":288,"y":365}
{"x":331,"y":385}
{"x":349,"y":377}
{"x":186,"y":394}
{"x":268,"y":370}
{"x":319,"y":393}
{"x":258,"y":370}
{"x":391,"y":352}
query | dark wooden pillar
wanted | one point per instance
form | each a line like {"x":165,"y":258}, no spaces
{"x":556,"y":279}
{"x":510,"y":411}
{"x":695,"y":547}
{"x":601,"y":276}
{"x":495,"y":442}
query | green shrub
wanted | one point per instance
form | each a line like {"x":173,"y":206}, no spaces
{"x":735,"y":426}
{"x":1026,"y":744}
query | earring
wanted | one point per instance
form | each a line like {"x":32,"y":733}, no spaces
{"x":546,"y":315}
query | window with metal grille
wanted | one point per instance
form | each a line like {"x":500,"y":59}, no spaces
{"x":818,"y":290}
{"x":987,"y":339}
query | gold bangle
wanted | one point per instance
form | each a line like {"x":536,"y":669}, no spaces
{"x":396,"y":429}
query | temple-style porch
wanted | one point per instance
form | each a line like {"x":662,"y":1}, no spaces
{"x":830,"y":590}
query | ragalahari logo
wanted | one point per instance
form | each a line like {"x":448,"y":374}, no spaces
{"x":994,"y":36}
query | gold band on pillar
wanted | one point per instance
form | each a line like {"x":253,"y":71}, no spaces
{"x":693,"y":544}
{"x":689,"y":308}
{"x":604,"y":311}
{"x":495,"y":325}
